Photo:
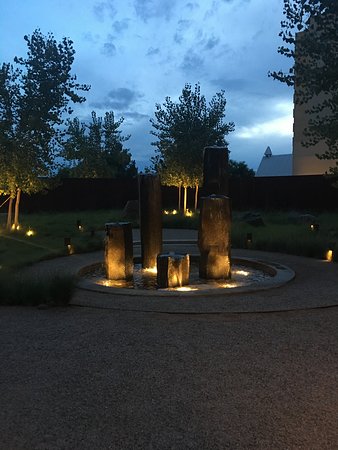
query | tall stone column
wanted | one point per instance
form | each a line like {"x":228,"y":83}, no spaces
{"x":214,"y":237}
{"x":150,"y":218}
{"x":215,"y":171}
{"x":119,"y":251}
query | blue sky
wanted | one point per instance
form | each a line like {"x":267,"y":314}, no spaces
{"x":134,"y":53}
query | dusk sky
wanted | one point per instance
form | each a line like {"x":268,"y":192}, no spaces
{"x":134,"y":53}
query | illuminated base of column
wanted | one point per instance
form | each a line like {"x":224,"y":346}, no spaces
{"x":119,"y":251}
{"x":172,"y":270}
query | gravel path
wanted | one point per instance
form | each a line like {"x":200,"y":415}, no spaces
{"x":91,"y":378}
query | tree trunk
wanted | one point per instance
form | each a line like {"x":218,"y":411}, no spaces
{"x":196,"y":197}
{"x":179,"y":197}
{"x":185,"y":199}
{"x":9,"y":214}
{"x":16,"y":210}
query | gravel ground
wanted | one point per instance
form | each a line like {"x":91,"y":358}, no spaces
{"x":84,"y":378}
{"x":93,"y":378}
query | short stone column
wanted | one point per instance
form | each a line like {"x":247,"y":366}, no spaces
{"x":119,"y":263}
{"x":214,"y":237}
{"x":150,"y":218}
{"x":172,"y":270}
{"x":215,"y":171}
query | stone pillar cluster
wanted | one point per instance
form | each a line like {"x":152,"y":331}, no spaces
{"x":213,"y":234}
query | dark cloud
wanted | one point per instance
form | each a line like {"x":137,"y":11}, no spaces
{"x":192,"y":5}
{"x":118,"y":99}
{"x":153,"y":51}
{"x":211,"y":43}
{"x":120,"y":25}
{"x":182,"y":26}
{"x":109,"y":48}
{"x":148,"y":9}
{"x":192,"y":62}
{"x":103,"y":8}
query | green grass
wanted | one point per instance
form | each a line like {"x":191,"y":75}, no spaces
{"x":51,"y":229}
{"x":16,"y":289}
{"x":278,"y":234}
{"x":281,"y":235}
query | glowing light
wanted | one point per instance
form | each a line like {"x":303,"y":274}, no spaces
{"x":70,"y":249}
{"x":329,"y":255}
{"x":245,"y":273}
{"x":112,"y":283}
{"x":15,"y":227}
{"x":174,"y":212}
{"x":229,"y":285}
{"x":166,"y":212}
{"x":30,"y":232}
{"x":150,"y":270}
{"x":189,"y":213}
{"x":186,"y":289}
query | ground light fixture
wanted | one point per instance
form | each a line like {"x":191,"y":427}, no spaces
{"x":30,"y":232}
{"x":68,"y":245}
{"x":79,"y":225}
{"x":314,"y":227}
{"x":248,"y":240}
{"x":329,"y":255}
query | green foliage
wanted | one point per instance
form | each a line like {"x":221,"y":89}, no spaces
{"x":34,"y":96}
{"x":96,"y":149}
{"x":26,"y":291}
{"x":182,"y":130}
{"x":313,"y":26}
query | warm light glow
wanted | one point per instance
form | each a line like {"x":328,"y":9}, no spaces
{"x":150,"y":270}
{"x":166,"y":212}
{"x":185,"y":289}
{"x":174,"y":212}
{"x":15,"y":227}
{"x":242,"y":272}
{"x":329,"y":255}
{"x":112,"y":283}
{"x":70,"y":249}
{"x":189,"y":213}
{"x":30,"y":232}
{"x":80,"y":227}
{"x":228,"y":285}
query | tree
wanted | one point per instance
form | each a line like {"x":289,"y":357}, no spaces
{"x":182,"y":130}
{"x":240,"y":169}
{"x":96,"y":149}
{"x":313,"y":26}
{"x":34,"y":97}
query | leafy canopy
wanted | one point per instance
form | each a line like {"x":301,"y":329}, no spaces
{"x":310,"y":36}
{"x":183,"y":129}
{"x":96,"y":149}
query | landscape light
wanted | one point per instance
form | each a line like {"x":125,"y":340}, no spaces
{"x":166,"y":212}
{"x":329,"y":255}
{"x":30,"y":232}
{"x":248,"y":240}
{"x":174,"y":212}
{"x":314,"y":227}
{"x":189,"y":213}
{"x":79,"y":225}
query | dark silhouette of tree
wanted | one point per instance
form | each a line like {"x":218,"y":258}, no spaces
{"x":183,"y":129}
{"x":34,"y":96}
{"x":96,"y":149}
{"x":240,"y":169}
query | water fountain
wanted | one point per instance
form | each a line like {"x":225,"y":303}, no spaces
{"x":212,"y":271}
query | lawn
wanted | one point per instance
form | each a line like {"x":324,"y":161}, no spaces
{"x":281,"y":233}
